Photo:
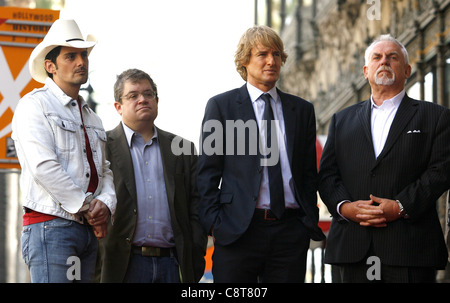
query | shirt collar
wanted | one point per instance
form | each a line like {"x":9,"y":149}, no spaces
{"x":255,"y":93}
{"x":395,"y":101}
{"x":129,"y":134}
{"x":60,"y":95}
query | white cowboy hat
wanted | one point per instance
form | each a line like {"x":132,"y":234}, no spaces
{"x":61,"y":33}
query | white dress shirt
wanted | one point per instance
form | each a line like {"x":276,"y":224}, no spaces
{"x":381,"y":120}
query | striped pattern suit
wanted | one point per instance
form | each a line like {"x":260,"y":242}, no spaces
{"x":413,"y":167}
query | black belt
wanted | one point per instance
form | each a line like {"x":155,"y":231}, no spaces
{"x":268,"y":215}
{"x":148,"y":251}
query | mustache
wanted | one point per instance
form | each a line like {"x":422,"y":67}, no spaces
{"x":384,"y":79}
{"x":385,"y":68}
{"x":81,"y":69}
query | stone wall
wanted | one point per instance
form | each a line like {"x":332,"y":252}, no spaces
{"x":326,"y":41}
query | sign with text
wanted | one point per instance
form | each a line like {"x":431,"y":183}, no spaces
{"x":21,"y":30}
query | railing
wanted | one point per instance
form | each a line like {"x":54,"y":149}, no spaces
{"x":317,"y":271}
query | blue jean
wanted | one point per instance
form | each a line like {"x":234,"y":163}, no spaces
{"x":152,"y":270}
{"x":59,"y":251}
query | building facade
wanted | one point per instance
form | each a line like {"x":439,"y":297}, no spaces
{"x":326,"y":40}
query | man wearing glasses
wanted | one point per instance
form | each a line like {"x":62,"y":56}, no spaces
{"x":156,"y":236}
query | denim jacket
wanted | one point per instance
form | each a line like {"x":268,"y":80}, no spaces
{"x":50,"y":144}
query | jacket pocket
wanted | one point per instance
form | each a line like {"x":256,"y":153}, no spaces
{"x":101,"y":134}
{"x":226,"y":198}
{"x":65,"y":138}
{"x":97,"y":140}
{"x":25,"y":242}
{"x":64,"y":131}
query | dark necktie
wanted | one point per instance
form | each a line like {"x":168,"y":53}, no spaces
{"x":93,"y":181}
{"x":277,"y":204}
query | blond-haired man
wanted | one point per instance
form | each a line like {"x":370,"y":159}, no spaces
{"x":262,"y":230}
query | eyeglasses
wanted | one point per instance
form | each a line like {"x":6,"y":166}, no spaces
{"x":134,"y":96}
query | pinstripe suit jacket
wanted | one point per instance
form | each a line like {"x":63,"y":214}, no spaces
{"x":413,"y":167}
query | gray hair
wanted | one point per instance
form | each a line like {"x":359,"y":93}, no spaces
{"x":389,"y":38}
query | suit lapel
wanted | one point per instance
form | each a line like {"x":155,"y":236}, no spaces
{"x":405,"y":112}
{"x":120,"y":153}
{"x":245,"y":107}
{"x":364,"y":115}
{"x":289,"y":123}
{"x":245,"y":112}
{"x":169,"y":163}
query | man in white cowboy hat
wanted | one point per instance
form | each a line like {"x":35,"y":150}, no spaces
{"x":67,"y":185}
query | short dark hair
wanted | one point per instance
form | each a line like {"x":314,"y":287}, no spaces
{"x":52,"y":55}
{"x":134,"y":75}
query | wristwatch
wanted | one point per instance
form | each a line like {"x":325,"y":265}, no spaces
{"x":402,"y":212}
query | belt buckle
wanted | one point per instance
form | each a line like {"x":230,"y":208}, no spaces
{"x":268,"y":215}
{"x":151,"y":251}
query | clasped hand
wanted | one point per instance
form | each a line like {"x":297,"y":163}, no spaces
{"x":97,"y":216}
{"x":366,"y":213}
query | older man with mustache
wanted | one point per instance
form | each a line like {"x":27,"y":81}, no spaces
{"x":385,"y":164}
